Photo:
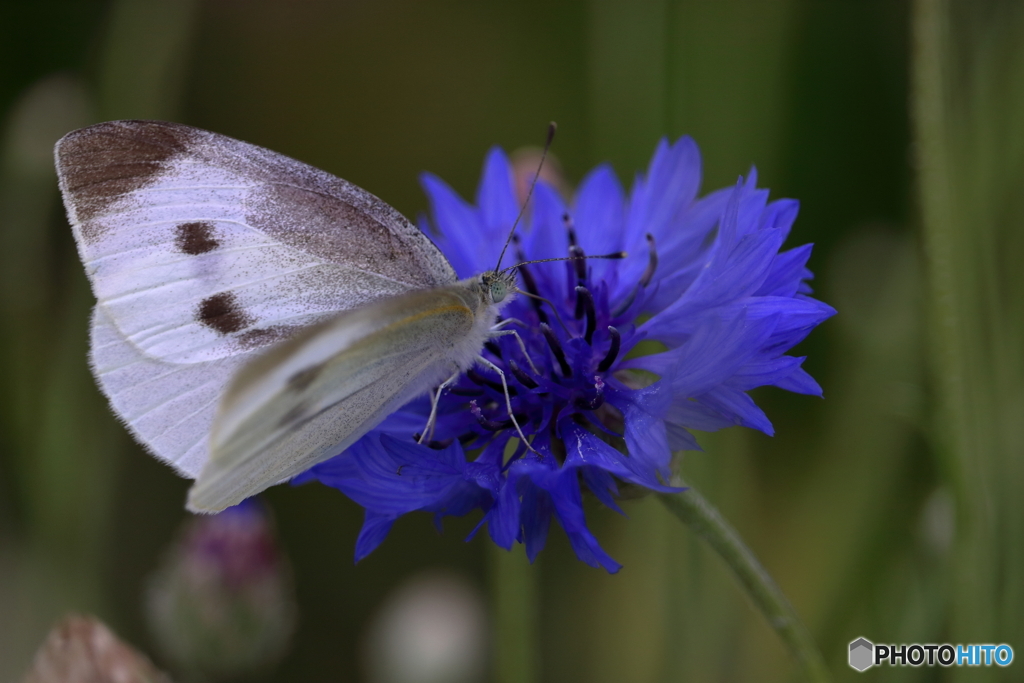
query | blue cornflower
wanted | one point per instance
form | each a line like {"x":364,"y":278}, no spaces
{"x":704,"y":277}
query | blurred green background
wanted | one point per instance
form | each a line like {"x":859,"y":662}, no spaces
{"x":890,"y":510}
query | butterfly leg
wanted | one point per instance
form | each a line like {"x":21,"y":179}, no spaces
{"x":428,"y":431}
{"x":508,"y":400}
{"x":497,"y":332}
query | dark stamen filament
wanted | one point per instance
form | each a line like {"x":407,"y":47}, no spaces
{"x":436,"y":445}
{"x":613,"y":352}
{"x":645,"y":279}
{"x":531,"y":287}
{"x":556,"y":349}
{"x":585,"y":300}
{"x":493,"y":348}
{"x":569,"y":228}
{"x":652,"y":262}
{"x":579,"y":262}
{"x":477,"y":378}
{"x":521,"y":375}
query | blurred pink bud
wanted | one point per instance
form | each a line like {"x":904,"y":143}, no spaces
{"x":222,"y":602}
{"x":525,"y":162}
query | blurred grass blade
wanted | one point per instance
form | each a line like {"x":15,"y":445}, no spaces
{"x":969,"y":119}
{"x":701,"y":517}
{"x":66,"y":442}
{"x":144,"y":58}
{"x":514,"y":588}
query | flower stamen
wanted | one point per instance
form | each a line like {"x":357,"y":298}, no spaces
{"x":579,"y":262}
{"x":556,"y":349}
{"x":645,"y":278}
{"x":485,"y":421}
{"x":652,"y":262}
{"x":613,"y":351}
{"x":531,"y":290}
{"x":477,"y":378}
{"x":585,"y":300}
{"x":569,"y":228}
{"x":521,"y":375}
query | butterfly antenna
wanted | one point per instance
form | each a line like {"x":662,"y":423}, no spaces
{"x":552,"y":127}
{"x":613,"y":255}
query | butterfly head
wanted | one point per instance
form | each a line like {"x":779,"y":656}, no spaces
{"x":496,"y":285}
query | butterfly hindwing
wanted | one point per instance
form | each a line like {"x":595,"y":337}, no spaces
{"x":169,"y":407}
{"x":317,"y":393}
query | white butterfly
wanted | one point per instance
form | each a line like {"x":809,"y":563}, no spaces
{"x":255,"y":315}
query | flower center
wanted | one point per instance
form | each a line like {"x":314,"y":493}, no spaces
{"x":572,"y":338}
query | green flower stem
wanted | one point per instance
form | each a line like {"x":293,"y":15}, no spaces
{"x":696,"y":512}
{"x":515,"y":616}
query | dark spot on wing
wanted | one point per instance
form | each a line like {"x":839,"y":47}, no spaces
{"x":301,"y":380}
{"x":195,"y":238}
{"x":264,"y":336}
{"x":100,"y":164}
{"x":294,"y":416}
{"x":222,"y":314}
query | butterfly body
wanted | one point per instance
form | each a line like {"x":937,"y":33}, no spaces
{"x":224,"y":271}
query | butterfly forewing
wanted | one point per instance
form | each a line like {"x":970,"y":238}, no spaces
{"x":202,"y":250}
{"x":200,"y":246}
{"x":316,"y":394}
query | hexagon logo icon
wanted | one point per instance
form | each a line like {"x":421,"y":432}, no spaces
{"x":862,"y":653}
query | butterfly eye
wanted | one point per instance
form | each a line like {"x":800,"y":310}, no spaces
{"x":498,"y":291}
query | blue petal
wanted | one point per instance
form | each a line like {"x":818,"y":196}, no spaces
{"x":670,"y":186}
{"x":503,"y":518}
{"x":548,"y":238}
{"x":568,"y":504}
{"x":798,"y":315}
{"x":584,"y":449}
{"x":663,"y":205}
{"x":713,"y":354}
{"x":745,"y":270}
{"x":339,"y":467}
{"x":646,"y":437}
{"x":752,"y":207}
{"x":495,"y":196}
{"x":780,"y":215}
{"x":792,"y":313}
{"x":739,"y":277}
{"x":603,"y":485}
{"x":787,"y":272}
{"x":800,"y":382}
{"x":462,"y":234}
{"x":599,"y":216}
{"x":553,"y":489}
{"x":735,"y":405}
{"x":380,"y":481}
{"x":536,"y":517}
{"x":689,"y":413}
{"x":680,"y":438}
{"x":375,"y":530}
{"x":762,"y":371}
